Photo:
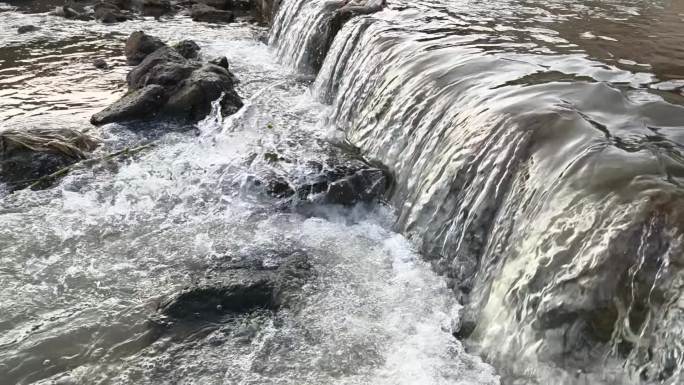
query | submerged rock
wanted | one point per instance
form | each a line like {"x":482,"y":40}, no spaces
{"x":209,"y":14}
{"x":100,"y":63}
{"x":27,"y":29}
{"x":245,"y":286}
{"x":167,"y":84}
{"x":28,"y":156}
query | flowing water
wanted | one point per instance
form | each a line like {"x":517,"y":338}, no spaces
{"x":536,"y":147}
{"x":84,"y":265}
{"x":536,"y":152}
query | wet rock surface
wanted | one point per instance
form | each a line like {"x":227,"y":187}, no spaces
{"x":26,"y":157}
{"x":167,"y":85}
{"x":346,"y":184}
{"x":253,"y":283}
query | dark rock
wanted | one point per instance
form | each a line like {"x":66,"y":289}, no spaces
{"x":192,"y":100}
{"x":21,"y":168}
{"x":279,"y":188}
{"x":27,"y":29}
{"x":138,"y":104}
{"x":100,"y":63}
{"x":109,"y":12}
{"x":26,"y":156}
{"x":187,"y":87}
{"x":205,"y":13}
{"x":160,"y":67}
{"x":188,"y":49}
{"x":221,"y":61}
{"x":245,"y":287}
{"x":363,"y":186}
{"x":139,"y":45}
{"x":346,"y":184}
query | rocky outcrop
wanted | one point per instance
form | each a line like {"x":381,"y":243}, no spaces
{"x":167,"y":85}
{"x":26,"y":156}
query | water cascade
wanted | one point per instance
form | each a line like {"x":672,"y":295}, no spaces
{"x":543,"y":183}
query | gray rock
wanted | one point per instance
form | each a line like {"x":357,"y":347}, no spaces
{"x":205,"y":13}
{"x":139,"y":45}
{"x":192,"y":100}
{"x":188,"y":49}
{"x":221,"y":61}
{"x":138,"y":104}
{"x":243,"y":287}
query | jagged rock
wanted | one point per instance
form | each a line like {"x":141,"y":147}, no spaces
{"x":188,"y":49}
{"x":243,"y":287}
{"x":185,"y":89}
{"x":27,"y":29}
{"x":192,"y":100}
{"x":205,"y":13}
{"x":221,"y":61}
{"x":100,"y":63}
{"x":139,"y":45}
{"x":164,"y":66}
{"x":137,"y":104}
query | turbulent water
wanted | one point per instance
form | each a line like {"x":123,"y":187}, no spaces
{"x":85,"y":264}
{"x":536,"y":147}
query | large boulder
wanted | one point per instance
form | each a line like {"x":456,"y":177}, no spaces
{"x":139,"y":45}
{"x":166,"y":84}
{"x":209,"y":14}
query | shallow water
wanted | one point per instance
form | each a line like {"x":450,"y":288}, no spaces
{"x":84,"y":265}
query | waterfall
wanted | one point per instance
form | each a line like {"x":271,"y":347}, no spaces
{"x":548,"y":197}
